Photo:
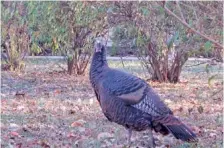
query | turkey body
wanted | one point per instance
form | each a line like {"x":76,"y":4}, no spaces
{"x":129,"y":101}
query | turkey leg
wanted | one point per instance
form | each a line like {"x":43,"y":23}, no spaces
{"x":151,"y":142}
{"x":129,"y":136}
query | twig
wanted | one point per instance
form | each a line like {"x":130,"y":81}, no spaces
{"x":188,"y":26}
{"x":181,"y":13}
{"x":196,"y":16}
{"x":61,"y":67}
{"x":207,"y":14}
{"x":122,"y":61}
{"x":196,"y":64}
{"x":215,"y":93}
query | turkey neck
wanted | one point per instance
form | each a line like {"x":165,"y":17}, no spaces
{"x":99,"y":63}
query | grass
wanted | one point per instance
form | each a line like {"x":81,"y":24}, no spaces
{"x":58,"y":110}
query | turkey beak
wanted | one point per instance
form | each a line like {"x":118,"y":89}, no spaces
{"x":98,"y":47}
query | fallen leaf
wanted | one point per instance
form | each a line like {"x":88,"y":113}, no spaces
{"x":45,"y":144}
{"x":200,"y":109}
{"x":70,"y":135}
{"x":14,"y":134}
{"x":20,"y":107}
{"x":196,"y":129}
{"x":20,"y":94}
{"x":72,"y":111}
{"x":13,"y":126}
{"x":180,"y":109}
{"x":78,"y":123}
{"x":57,"y":91}
{"x":190,"y":110}
{"x":104,"y":135}
{"x":212,"y":135}
{"x":74,"y":124}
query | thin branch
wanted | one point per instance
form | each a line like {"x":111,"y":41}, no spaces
{"x":206,"y":7}
{"x":196,"y":16}
{"x":196,"y":64}
{"x":195,"y":31}
{"x":59,"y":66}
{"x":192,"y":7}
{"x":194,"y":10}
{"x":122,"y":61}
{"x":181,"y":13}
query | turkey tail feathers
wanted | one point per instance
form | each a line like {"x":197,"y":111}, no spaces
{"x":177,"y":128}
{"x":182,"y":132}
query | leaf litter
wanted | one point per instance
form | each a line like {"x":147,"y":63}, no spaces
{"x":59,"y":110}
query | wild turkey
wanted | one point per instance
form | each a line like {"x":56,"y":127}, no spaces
{"x":131,"y":102}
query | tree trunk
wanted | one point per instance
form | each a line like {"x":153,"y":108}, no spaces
{"x":78,"y":64}
{"x":70,"y":63}
{"x":161,"y":71}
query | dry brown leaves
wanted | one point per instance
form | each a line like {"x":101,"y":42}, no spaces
{"x":61,"y":110}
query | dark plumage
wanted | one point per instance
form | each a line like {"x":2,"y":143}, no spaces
{"x":131,"y":102}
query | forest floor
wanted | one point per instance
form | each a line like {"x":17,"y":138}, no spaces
{"x":45,"y":107}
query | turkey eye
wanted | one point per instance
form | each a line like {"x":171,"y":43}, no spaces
{"x":97,"y":49}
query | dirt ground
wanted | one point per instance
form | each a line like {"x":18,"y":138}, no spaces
{"x":45,"y":107}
